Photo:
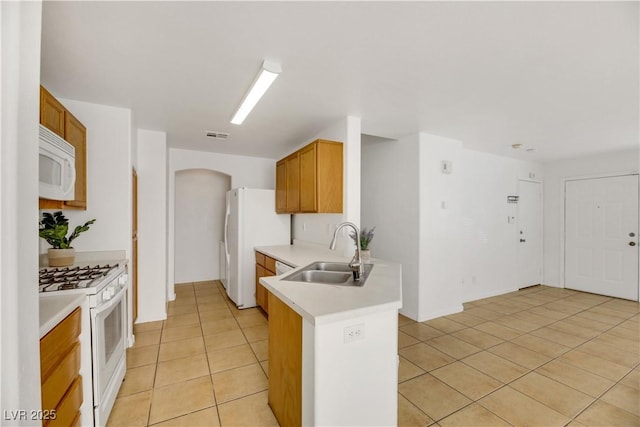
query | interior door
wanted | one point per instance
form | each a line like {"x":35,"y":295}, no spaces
{"x":601,"y":236}
{"x":529,"y":233}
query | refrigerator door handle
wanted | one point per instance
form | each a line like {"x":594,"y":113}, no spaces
{"x":226,"y":231}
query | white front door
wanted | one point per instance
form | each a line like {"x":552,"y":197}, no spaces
{"x":529,"y":235}
{"x":601,"y":236}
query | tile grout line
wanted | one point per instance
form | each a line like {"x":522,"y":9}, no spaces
{"x":206,"y":352}
{"x":529,"y":369}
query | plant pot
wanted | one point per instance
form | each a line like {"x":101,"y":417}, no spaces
{"x":61,"y":257}
{"x":365,"y":256}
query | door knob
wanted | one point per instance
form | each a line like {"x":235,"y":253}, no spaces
{"x":522,"y":240}
{"x":632,"y":243}
{"x":632,"y":234}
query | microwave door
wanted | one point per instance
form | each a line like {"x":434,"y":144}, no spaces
{"x":50,"y":171}
{"x":56,"y":176}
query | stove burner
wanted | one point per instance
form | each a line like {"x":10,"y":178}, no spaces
{"x":63,"y":278}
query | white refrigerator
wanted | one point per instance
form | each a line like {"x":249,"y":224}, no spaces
{"x":250,"y":221}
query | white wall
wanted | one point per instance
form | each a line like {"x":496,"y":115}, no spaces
{"x":489,"y":243}
{"x":369,"y":397}
{"x":19,"y":326}
{"x":199,"y":223}
{"x":152,"y":225}
{"x":108,"y":178}
{"x":556,"y":173}
{"x":318,"y":228}
{"x":252,"y":172}
{"x":390,"y":203}
{"x":452,"y":253}
{"x":439,"y":224}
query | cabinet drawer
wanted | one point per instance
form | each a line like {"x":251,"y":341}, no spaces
{"x":56,"y":344}
{"x":270,"y":264}
{"x":55,"y":387}
{"x":260,"y":259}
{"x":69,"y":407}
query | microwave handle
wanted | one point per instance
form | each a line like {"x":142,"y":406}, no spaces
{"x":72,"y":168}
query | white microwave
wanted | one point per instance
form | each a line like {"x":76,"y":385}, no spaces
{"x":57,"y":167}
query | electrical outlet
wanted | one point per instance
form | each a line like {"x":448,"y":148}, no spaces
{"x":354,"y":333}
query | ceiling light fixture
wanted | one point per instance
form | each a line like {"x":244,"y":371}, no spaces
{"x":267,"y":75}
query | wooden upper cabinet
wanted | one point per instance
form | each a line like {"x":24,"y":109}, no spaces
{"x":76,"y":134}
{"x":311,"y":179}
{"x":308,"y":175}
{"x":293,"y":182}
{"x":329,"y":176}
{"x":55,"y":117}
{"x":281,"y":186}
{"x":51,"y":112}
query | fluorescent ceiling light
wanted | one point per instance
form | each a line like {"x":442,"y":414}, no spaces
{"x":267,"y":75}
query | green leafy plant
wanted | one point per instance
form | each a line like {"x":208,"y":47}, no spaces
{"x":54,"y":228}
{"x":366,"y":236}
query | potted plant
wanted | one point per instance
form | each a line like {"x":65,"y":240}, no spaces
{"x":53,"y":229}
{"x":366,"y":236}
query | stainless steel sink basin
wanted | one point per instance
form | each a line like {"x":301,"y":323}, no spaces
{"x":329,"y":266}
{"x":328,"y":273}
{"x":316,"y":276}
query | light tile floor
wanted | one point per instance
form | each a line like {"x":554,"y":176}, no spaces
{"x":538,"y":357}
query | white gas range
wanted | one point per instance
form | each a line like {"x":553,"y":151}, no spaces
{"x":105,"y":286}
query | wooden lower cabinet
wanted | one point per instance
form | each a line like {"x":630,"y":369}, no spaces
{"x":265,"y":267}
{"x":60,"y":372}
{"x":285,"y":363}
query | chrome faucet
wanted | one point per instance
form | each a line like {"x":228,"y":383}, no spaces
{"x":356,"y":264}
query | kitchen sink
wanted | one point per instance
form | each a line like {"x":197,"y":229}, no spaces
{"x":328,"y":273}
{"x":329,"y":266}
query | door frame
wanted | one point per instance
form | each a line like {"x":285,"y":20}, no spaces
{"x":563,"y":212}
{"x":517,"y":234}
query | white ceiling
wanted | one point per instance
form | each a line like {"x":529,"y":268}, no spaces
{"x":561,"y":77}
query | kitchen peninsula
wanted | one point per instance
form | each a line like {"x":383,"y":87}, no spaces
{"x":332,"y":349}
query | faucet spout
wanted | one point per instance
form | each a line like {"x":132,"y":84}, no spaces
{"x":356,"y":264}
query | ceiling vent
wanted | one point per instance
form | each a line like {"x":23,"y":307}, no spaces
{"x":218,"y":135}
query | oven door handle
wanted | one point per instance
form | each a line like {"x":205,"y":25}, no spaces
{"x":101,"y":308}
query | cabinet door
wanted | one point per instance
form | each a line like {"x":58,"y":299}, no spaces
{"x":51,"y":112}
{"x":293,"y":182}
{"x":260,"y":290}
{"x":329,"y":177}
{"x":308,"y":178}
{"x":285,"y":363}
{"x":76,"y":134}
{"x":281,"y":186}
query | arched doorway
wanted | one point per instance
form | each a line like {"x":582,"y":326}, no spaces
{"x":199,"y":207}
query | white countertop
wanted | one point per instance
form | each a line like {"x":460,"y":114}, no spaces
{"x":82,"y":259}
{"x":320,"y":303}
{"x":54,"y":307}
